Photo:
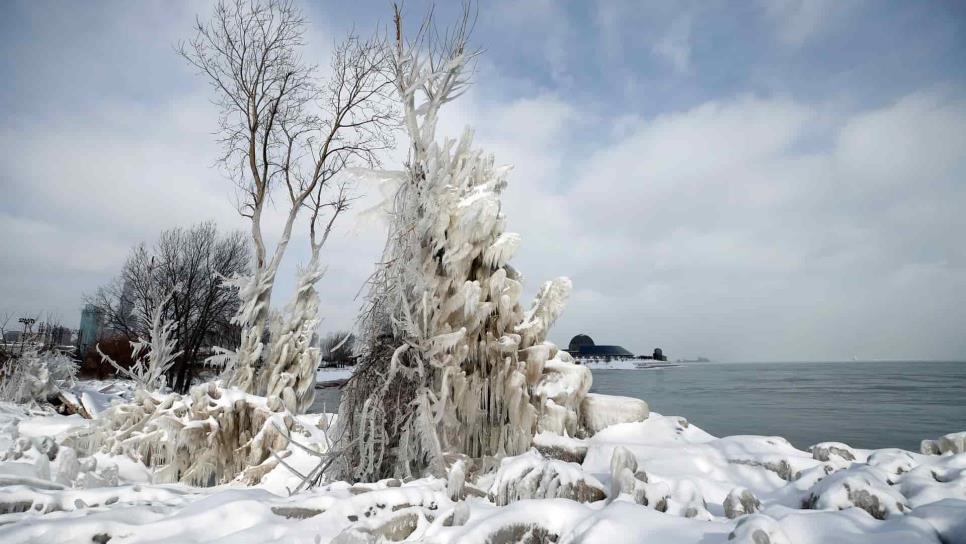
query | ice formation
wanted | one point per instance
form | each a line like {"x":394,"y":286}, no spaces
{"x":653,"y":481}
{"x":451,"y":363}
{"x":212,"y":435}
{"x":153,"y":356}
{"x":36,"y":377}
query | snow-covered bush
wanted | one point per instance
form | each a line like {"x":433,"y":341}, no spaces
{"x":211,"y":436}
{"x":533,"y":476}
{"x":35,"y":377}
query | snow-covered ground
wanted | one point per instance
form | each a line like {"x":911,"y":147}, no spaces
{"x":626,"y":364}
{"x":630,"y":364}
{"x":658,"y":480}
{"x":329,"y":375}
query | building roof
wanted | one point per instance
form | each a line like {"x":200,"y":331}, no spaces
{"x":583,"y":346}
{"x":604,"y":351}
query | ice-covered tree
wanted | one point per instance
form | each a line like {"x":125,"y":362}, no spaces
{"x":287,"y":136}
{"x":449,"y":359}
{"x":286,"y":139}
{"x":153,"y":356}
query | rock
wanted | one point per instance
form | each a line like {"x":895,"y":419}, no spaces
{"x":396,"y":529}
{"x":560,"y":447}
{"x":741,"y":501}
{"x":953,"y":443}
{"x":826,"y":450}
{"x":600,"y":411}
{"x":758,"y":529}
{"x":929,"y":447}
{"x":950,"y":443}
{"x":295,"y":512}
{"x":893,"y":462}
{"x":781,"y":467}
{"x":520,"y":533}
{"x":861,"y":486}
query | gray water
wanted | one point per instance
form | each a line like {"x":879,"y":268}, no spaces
{"x":864,"y":404}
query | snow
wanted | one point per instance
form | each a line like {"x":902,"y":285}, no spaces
{"x":699,"y":488}
{"x":616,"y":364}
{"x":326,"y":375}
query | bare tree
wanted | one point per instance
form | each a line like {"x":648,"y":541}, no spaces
{"x":180,"y":276}
{"x":284,"y":132}
{"x":338,"y":347}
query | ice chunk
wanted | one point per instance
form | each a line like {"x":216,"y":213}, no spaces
{"x":601,"y":411}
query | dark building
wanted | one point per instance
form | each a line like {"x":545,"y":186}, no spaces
{"x":583,"y":347}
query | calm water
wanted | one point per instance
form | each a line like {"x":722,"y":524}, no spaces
{"x":867,"y":405}
{"x":864,"y":404}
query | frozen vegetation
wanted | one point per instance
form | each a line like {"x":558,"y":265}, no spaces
{"x":461,"y":423}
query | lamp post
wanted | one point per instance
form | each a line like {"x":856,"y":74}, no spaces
{"x":27,"y":324}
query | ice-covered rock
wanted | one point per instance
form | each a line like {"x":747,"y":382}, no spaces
{"x":758,"y":529}
{"x":560,"y":447}
{"x":601,"y":411}
{"x":826,"y":450}
{"x":533,"y":476}
{"x":950,"y":443}
{"x":563,"y":386}
{"x":861,"y":486}
{"x":942,"y":478}
{"x":893,"y":462}
{"x":740,"y":501}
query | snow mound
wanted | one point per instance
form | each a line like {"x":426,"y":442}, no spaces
{"x":864,"y":487}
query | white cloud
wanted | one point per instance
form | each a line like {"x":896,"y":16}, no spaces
{"x":742,"y":228}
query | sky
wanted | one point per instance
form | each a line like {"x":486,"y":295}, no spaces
{"x":746,"y":181}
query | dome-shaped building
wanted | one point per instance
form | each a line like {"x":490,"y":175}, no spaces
{"x":583,"y":347}
{"x":580,"y":341}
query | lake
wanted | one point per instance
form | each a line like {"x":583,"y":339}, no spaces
{"x":864,"y":404}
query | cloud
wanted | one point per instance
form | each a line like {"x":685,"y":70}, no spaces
{"x":797,"y":21}
{"x":710,"y":214}
{"x":722,"y":207}
{"x":743,"y":228}
{"x":675,"y":46}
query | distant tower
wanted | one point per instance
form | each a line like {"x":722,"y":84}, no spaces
{"x":127,"y":302}
{"x":91,"y":326}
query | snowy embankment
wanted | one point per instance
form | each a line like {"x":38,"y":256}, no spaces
{"x":332,"y":375}
{"x":619,"y":364}
{"x":656,"y":480}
